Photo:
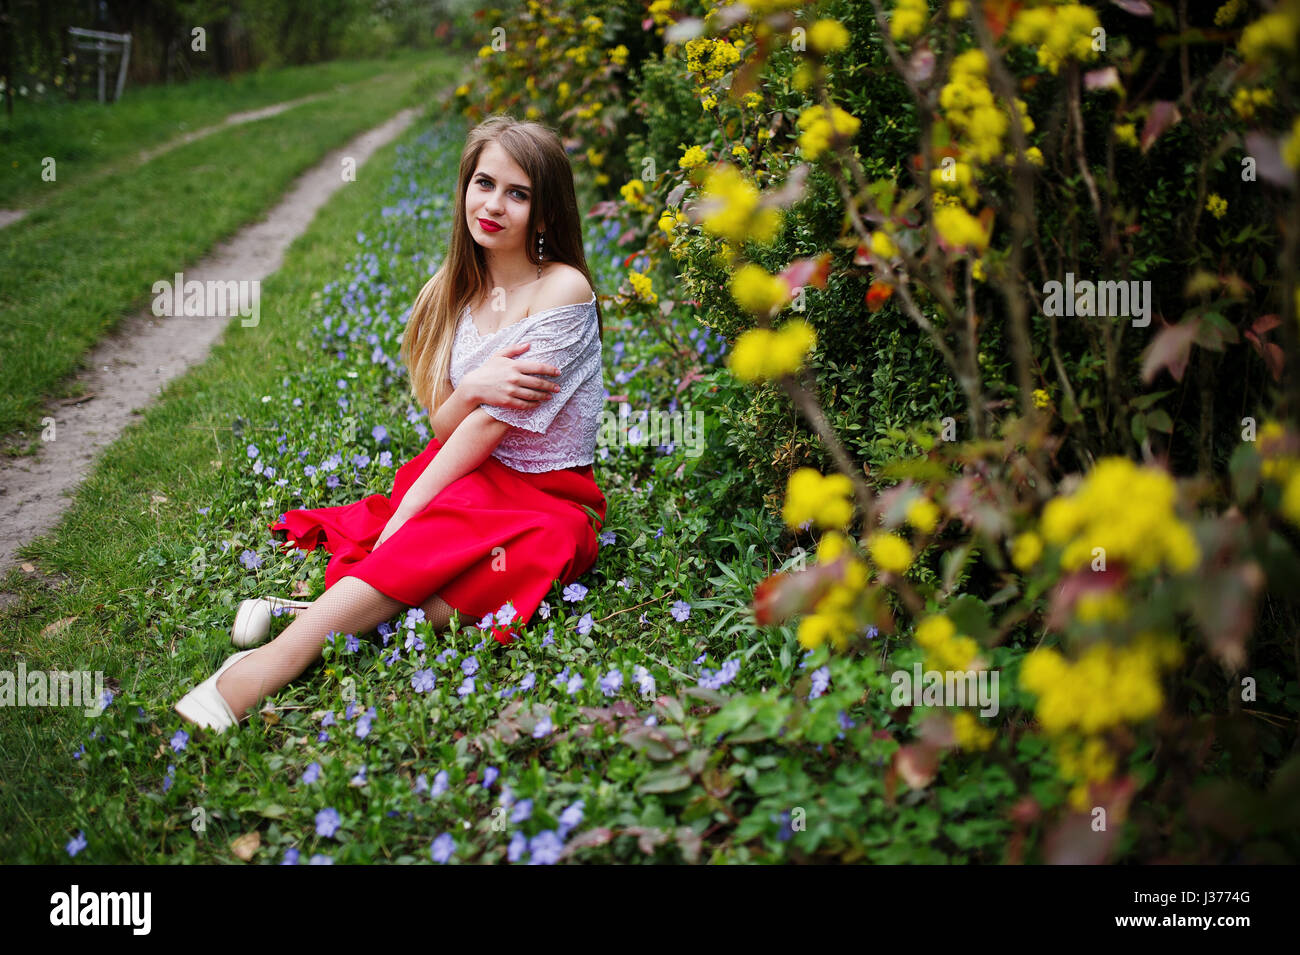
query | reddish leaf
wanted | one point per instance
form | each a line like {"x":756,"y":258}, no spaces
{"x":785,"y":594}
{"x":1075,"y":585}
{"x":878,"y":293}
{"x":998,"y":14}
{"x":917,"y":763}
{"x":1105,"y":78}
{"x":1267,"y":152}
{"x":586,"y":840}
{"x":1139,"y":8}
{"x":808,"y":272}
{"x":1164,"y":113}
{"x":1171,"y":348}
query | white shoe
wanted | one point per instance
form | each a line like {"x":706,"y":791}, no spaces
{"x":205,"y":706}
{"x":253,"y":619}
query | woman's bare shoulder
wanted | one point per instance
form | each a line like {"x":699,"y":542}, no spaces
{"x":564,"y":286}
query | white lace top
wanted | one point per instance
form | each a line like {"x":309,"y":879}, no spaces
{"x":559,"y":433}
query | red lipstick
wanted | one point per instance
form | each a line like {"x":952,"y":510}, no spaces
{"x":487,"y":225}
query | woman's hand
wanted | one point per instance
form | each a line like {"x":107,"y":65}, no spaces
{"x":503,"y":381}
{"x":394,"y":524}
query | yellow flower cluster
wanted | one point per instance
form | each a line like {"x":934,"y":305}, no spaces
{"x":1291,"y":146}
{"x":580,"y":55}
{"x":1245,"y":102}
{"x":959,"y":229}
{"x":1126,"y":133}
{"x":1126,"y":510}
{"x":973,"y":111}
{"x":1107,"y":686}
{"x":658,"y":11}
{"x":1227,"y":13}
{"x":819,"y":128}
{"x":882,"y":245}
{"x":833,"y":618}
{"x":1060,"y":33}
{"x":758,"y":291}
{"x":944,"y":648}
{"x":1082,"y":760}
{"x":1276,"y":32}
{"x":712,"y":57}
{"x":955,"y":179}
{"x":642,"y":287}
{"x":1281,"y":468}
{"x":1026,"y":548}
{"x":908,"y":20}
{"x":633,"y":193}
{"x":1216,"y":205}
{"x":828,"y":36}
{"x":1042,"y":399}
{"x":618,"y":55}
{"x":752,"y":100}
{"x":970,"y":733}
{"x":695,"y":156}
{"x":736,"y":214}
{"x":669,"y":219}
{"x":761,"y":353}
{"x":827,"y":500}
{"x":923,"y":514}
{"x":889,"y":552}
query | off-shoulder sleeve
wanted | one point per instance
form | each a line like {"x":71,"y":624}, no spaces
{"x":566,"y":337}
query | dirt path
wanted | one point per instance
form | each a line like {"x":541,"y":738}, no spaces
{"x":10,"y":216}
{"x":33,"y":489}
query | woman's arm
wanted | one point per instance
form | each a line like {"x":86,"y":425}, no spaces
{"x":474,"y":440}
{"x":503,"y":381}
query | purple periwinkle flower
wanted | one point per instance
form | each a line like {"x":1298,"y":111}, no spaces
{"x":680,"y":610}
{"x":423,"y":681}
{"x":611,"y":682}
{"x":574,"y":592}
{"x":178,"y":741}
{"x":545,"y":848}
{"x":327,"y":822}
{"x":585,"y":624}
{"x":311,"y":774}
{"x":76,"y":843}
{"x":442,"y":848}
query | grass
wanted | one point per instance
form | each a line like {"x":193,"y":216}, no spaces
{"x":647,"y":720}
{"x":91,"y":254}
{"x":85,"y":137}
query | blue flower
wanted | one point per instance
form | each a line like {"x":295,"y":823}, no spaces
{"x":379,"y":433}
{"x":506,"y":614}
{"x":290,"y":856}
{"x":542,"y":728}
{"x":322,"y":737}
{"x":549,"y":640}
{"x":659,"y":533}
{"x":252,"y":451}
{"x":571,"y":818}
{"x":351,"y":711}
{"x":319,"y":859}
{"x":360,"y":778}
{"x":574,"y":592}
{"x":644,"y":681}
{"x":393,"y":657}
{"x":576,"y":683}
{"x":250,"y":560}
{"x":310,"y":774}
{"x":439,"y":783}
{"x":421,"y":783}
{"x":606,"y":538}
{"x":178,"y":741}
{"x":414,"y":642}
{"x":466,"y":687}
{"x":422,"y":681}
{"x":469,"y":666}
{"x":518,"y":846}
{"x":529,"y":681}
{"x":351,"y":644}
{"x":442,"y":848}
{"x":544,"y":610}
{"x":327,"y":822}
{"x":486,"y":622}
{"x":523,"y":811}
{"x":77,"y":843}
{"x":680,"y":610}
{"x":363,"y":724}
{"x":585,"y":624}
{"x":821,"y":679}
{"x":169,"y":777}
{"x":545,"y":848}
{"x":80,"y":752}
{"x":611,"y":682}
{"x":490,"y":776}
{"x":327,"y":719}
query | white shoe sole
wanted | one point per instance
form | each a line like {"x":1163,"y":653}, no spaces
{"x":253,"y":620}
{"x":205,"y":706}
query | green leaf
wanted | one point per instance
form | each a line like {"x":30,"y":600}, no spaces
{"x":1160,"y":420}
{"x":670,"y":779}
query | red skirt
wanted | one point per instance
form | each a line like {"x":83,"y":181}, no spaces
{"x":491,"y":537}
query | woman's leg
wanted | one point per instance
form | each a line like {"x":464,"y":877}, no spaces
{"x":350,"y":606}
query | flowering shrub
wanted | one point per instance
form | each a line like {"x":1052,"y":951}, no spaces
{"x":1024,"y":301}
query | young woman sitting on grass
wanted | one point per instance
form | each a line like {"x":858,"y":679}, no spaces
{"x":503,"y":345}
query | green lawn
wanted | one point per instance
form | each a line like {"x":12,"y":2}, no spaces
{"x":84,"y":137}
{"x":75,"y":266}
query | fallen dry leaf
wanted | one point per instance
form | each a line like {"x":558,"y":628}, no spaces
{"x":246,"y":846}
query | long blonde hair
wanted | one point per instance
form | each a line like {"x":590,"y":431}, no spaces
{"x":463,"y":276}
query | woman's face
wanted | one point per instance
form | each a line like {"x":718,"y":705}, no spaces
{"x":499,"y":194}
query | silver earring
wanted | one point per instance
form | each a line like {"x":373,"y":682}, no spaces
{"x":539,"y":254}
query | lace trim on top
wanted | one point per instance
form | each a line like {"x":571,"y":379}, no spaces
{"x":562,"y":432}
